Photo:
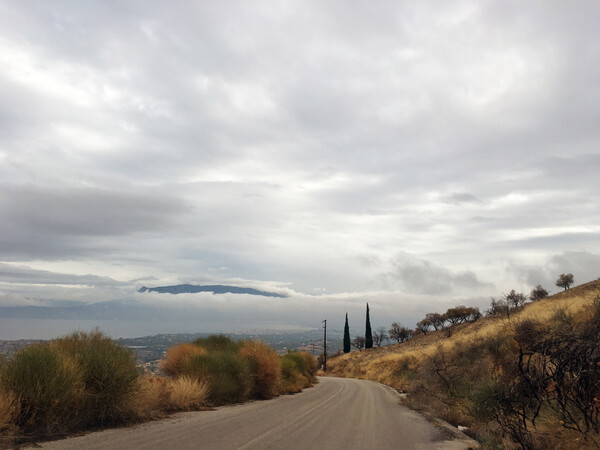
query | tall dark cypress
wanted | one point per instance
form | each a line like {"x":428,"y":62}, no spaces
{"x":346,"y":336}
{"x":368,"y":335}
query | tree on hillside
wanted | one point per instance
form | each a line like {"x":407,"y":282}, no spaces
{"x":423,"y":325}
{"x":498,"y":306}
{"x":399,"y":333}
{"x":565,"y":280}
{"x":538,"y":293}
{"x":380,"y":336}
{"x":436,"y":320}
{"x":368,"y":335}
{"x":358,"y":342}
{"x":346,"y":336}
{"x":514,"y":299}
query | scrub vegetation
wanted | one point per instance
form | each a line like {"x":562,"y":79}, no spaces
{"x":530,"y":379}
{"x":88,"y":381}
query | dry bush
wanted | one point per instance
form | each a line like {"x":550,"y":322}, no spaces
{"x":177,"y":357}
{"x":151,"y":401}
{"x":9,"y":411}
{"x":311,"y":366}
{"x":265,"y":366}
{"x":186,"y":394}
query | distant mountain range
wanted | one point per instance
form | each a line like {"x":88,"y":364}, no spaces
{"x":215,"y":289}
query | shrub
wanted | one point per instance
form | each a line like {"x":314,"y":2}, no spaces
{"x":311,"y":366}
{"x":227,"y":374}
{"x":48,"y":385}
{"x":265,"y":366}
{"x":177,"y":357}
{"x":109,"y":372}
{"x":151,"y":400}
{"x":298,"y":371}
{"x":186,"y":393}
{"x":9,"y":410}
{"x":218,"y":342}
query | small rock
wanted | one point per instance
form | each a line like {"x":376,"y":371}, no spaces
{"x":461,"y":428}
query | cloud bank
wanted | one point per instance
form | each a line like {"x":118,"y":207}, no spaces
{"x":446,"y":150}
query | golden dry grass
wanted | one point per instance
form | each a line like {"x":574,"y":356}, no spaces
{"x":9,"y":409}
{"x":380,"y":363}
{"x":408,"y":366}
{"x":186,"y":394}
{"x":178,"y":355}
{"x":151,"y":401}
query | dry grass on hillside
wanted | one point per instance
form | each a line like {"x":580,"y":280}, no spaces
{"x":380,"y":363}
{"x":467,"y":373}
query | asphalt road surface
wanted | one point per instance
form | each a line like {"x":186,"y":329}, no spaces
{"x":338,"y":413}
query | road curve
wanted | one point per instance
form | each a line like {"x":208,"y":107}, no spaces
{"x":338,"y":413}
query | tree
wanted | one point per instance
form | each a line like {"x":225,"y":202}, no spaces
{"x":358,"y":342}
{"x":399,"y":333}
{"x":368,"y":335}
{"x":346,"y":336}
{"x":423,"y":325}
{"x":514,"y":299}
{"x":436,"y":320}
{"x":538,"y":293}
{"x":498,"y":306}
{"x":565,"y":280}
{"x":380,"y":336}
{"x":458,"y":314}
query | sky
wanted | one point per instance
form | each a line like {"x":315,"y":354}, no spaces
{"x":415,"y":155}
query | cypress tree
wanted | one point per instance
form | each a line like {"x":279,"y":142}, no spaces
{"x":368,"y":335}
{"x":346,"y":336}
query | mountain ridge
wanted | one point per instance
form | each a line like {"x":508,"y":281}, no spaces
{"x":215,"y":289}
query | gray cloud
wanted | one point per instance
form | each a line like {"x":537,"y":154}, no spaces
{"x":423,"y":277}
{"x":39,"y":222}
{"x":10,"y":273}
{"x":307,"y":144}
{"x":583,"y":265}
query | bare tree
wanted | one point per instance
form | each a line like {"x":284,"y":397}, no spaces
{"x":498,"y":306}
{"x":380,"y":336}
{"x":358,"y":342}
{"x":538,"y":293}
{"x":565,"y":280}
{"x":399,"y":333}
{"x":514,"y":298}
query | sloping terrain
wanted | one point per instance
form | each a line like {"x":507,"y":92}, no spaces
{"x":475,"y":374}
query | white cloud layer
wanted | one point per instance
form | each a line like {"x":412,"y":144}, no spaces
{"x":447,"y":150}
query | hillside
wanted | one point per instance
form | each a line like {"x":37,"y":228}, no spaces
{"x":475,"y":374}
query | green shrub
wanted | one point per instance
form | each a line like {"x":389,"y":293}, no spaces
{"x":298,"y":371}
{"x":218,"y":342}
{"x":227,"y":374}
{"x":311,"y":365}
{"x":109,"y":373}
{"x":48,"y":385}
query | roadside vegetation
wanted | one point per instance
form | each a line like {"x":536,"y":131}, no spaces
{"x":527,"y":375}
{"x":88,"y":381}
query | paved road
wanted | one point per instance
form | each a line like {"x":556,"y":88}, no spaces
{"x":338,"y":413}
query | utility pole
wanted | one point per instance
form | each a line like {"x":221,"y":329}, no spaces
{"x":325,"y":345}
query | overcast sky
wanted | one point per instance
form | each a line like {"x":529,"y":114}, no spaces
{"x":413,"y":154}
